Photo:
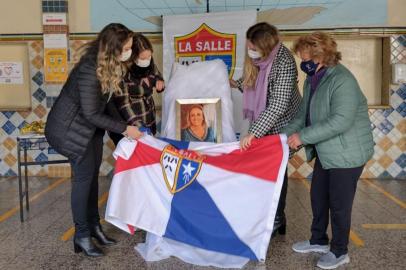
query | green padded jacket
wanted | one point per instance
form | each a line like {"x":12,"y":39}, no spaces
{"x":340,"y":129}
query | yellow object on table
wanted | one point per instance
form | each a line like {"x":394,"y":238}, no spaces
{"x":34,"y":127}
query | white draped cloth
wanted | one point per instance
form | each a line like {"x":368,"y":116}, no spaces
{"x":207,"y":79}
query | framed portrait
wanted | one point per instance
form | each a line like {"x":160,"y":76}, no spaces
{"x":199,"y":120}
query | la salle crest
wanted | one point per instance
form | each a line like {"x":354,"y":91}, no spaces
{"x":205,"y":44}
{"x":180,"y":167}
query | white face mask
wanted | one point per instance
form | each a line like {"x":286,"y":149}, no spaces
{"x":254,"y":54}
{"x":143,"y":62}
{"x":125,"y":55}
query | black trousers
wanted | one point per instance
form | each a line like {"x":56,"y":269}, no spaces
{"x":280,"y":212}
{"x":333,"y":191}
{"x":85,"y":187}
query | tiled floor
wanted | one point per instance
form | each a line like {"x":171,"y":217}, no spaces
{"x":37,"y":243}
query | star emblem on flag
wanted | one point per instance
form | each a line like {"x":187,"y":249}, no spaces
{"x":187,"y":171}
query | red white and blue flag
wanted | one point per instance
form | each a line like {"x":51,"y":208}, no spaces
{"x":208,"y":204}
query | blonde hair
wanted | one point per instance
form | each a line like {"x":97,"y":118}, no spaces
{"x":320,"y":45}
{"x":265,"y":37}
{"x":196,"y":106}
{"x":110,"y":72}
{"x":108,"y":47}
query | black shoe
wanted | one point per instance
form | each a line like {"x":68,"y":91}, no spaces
{"x":86,"y":245}
{"x":279,"y":225}
{"x":104,"y":240}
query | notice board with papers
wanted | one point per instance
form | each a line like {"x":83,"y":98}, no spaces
{"x":15,"y":91}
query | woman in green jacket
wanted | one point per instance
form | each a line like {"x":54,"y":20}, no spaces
{"x":334,"y":127}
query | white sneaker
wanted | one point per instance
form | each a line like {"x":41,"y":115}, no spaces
{"x":306,"y":247}
{"x":330,"y":261}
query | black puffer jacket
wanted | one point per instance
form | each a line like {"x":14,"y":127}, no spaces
{"x":78,"y":111}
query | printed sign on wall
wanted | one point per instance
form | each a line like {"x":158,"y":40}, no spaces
{"x":55,"y":58}
{"x":11,"y":73}
{"x":54,"y":19}
{"x":55,"y":65}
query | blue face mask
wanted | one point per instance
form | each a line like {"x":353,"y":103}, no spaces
{"x":309,"y":67}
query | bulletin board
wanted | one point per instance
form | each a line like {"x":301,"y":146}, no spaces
{"x":15,"y":94}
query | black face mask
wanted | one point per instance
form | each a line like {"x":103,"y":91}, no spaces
{"x":141,"y":72}
{"x":309,"y":67}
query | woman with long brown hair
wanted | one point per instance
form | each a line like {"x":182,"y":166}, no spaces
{"x":136,"y":103}
{"x":77,"y":122}
{"x":270,"y":95}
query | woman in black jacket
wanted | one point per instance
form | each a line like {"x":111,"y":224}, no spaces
{"x":76,"y":125}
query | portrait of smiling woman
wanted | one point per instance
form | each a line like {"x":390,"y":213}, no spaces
{"x":196,"y":127}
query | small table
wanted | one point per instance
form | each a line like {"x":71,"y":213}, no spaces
{"x":26,"y":143}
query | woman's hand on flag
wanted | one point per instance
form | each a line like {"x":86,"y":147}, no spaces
{"x":245,"y":143}
{"x":133,"y":132}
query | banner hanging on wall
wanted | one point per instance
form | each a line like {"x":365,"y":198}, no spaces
{"x":208,"y":36}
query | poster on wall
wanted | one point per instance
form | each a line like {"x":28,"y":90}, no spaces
{"x":208,"y":36}
{"x":11,"y":73}
{"x":55,"y":65}
{"x":55,"y":58}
